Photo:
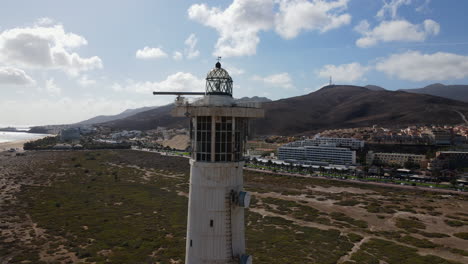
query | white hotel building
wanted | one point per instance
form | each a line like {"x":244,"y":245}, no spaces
{"x":317,"y":155}
{"x":351,"y":143}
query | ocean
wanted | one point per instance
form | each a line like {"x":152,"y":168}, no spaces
{"x":17,"y":136}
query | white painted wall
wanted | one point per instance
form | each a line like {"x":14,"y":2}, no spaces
{"x":210,"y":187}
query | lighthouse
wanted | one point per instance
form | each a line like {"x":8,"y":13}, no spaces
{"x":218,"y":131}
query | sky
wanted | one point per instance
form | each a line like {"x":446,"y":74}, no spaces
{"x":67,"y":61}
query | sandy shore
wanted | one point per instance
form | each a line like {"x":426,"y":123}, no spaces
{"x":18,"y":144}
{"x":12,"y":144}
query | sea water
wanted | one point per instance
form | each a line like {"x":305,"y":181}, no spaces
{"x":17,"y":136}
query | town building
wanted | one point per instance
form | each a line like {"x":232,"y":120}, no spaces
{"x":399,"y":159}
{"x":350,"y":143}
{"x":321,"y":155}
{"x":70,"y":134}
{"x":449,"y":160}
{"x":442,"y":137}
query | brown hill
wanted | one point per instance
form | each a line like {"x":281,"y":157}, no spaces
{"x":455,"y":92}
{"x":336,"y":106}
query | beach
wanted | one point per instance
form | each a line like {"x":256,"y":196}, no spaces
{"x":16,"y":140}
{"x":13,"y":144}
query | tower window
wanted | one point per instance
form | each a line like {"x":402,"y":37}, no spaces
{"x":211,"y":223}
{"x":203,"y":138}
{"x":190,"y":242}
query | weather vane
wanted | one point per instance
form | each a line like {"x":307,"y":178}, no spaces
{"x":219,"y":58}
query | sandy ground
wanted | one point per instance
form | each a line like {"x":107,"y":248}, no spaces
{"x":17,"y":144}
{"x":177,"y":142}
{"x":13,"y":144}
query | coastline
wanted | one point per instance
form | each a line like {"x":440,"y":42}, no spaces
{"x":12,"y":144}
{"x":17,"y":144}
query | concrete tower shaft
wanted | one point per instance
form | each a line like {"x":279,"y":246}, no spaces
{"x":215,"y":230}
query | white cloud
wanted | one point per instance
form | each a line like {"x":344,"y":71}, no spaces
{"x":282,"y":80}
{"x":42,"y":47}
{"x":239,"y":24}
{"x":85,"y":81}
{"x":52,"y":88}
{"x":44,"y":21}
{"x":177,"y":82}
{"x":191,"y":43}
{"x":177,"y":55}
{"x":232,"y":70}
{"x":424,"y":8}
{"x":14,"y":76}
{"x":117,"y":87}
{"x":415,"y":66}
{"x":343,"y":73}
{"x":148,"y":53}
{"x":395,"y":31}
{"x":391,"y":8}
{"x":298,"y":15}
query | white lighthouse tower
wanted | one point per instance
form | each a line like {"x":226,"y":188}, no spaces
{"x":218,"y":131}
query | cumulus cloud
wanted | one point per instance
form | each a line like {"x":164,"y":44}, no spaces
{"x":52,"y":88}
{"x":191,"y":43}
{"x":148,"y":53}
{"x":424,"y":8}
{"x":45,"y":47}
{"x":177,"y":82}
{"x":44,"y":21}
{"x":14,"y":76}
{"x":415,"y":66}
{"x":343,"y":73}
{"x":391,"y":8}
{"x":177,"y":55}
{"x":282,"y":80}
{"x":85,"y":81}
{"x":232,"y":70}
{"x":239,"y":24}
{"x":298,"y":15}
{"x":395,"y":31}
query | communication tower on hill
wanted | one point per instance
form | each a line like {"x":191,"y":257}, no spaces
{"x":218,"y":132}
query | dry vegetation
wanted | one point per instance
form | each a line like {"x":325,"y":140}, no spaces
{"x":130,"y":207}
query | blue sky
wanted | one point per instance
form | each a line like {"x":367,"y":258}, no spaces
{"x":64,"y":61}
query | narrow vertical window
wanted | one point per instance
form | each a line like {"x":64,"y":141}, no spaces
{"x":211,"y":223}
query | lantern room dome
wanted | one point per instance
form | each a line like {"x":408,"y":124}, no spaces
{"x":218,"y":81}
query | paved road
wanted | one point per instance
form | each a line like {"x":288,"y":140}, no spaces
{"x":462,"y":116}
{"x":364,"y":182}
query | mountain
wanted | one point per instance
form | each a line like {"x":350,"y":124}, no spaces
{"x":161,"y":116}
{"x":374,"y":87}
{"x":253,"y":99}
{"x":342,"y":106}
{"x":455,"y":92}
{"x":151,"y":119}
{"x":334,"y":106}
{"x":107,"y":118}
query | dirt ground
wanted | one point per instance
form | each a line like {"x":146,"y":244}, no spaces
{"x":422,"y":221}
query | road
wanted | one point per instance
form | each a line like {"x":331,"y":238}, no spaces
{"x":462,"y":116}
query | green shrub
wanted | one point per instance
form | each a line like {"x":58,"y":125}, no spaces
{"x":462,"y":235}
{"x":420,"y":243}
{"x":453,"y":223}
{"x":409,"y":224}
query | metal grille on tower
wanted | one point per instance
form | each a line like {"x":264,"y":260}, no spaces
{"x":218,"y":81}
